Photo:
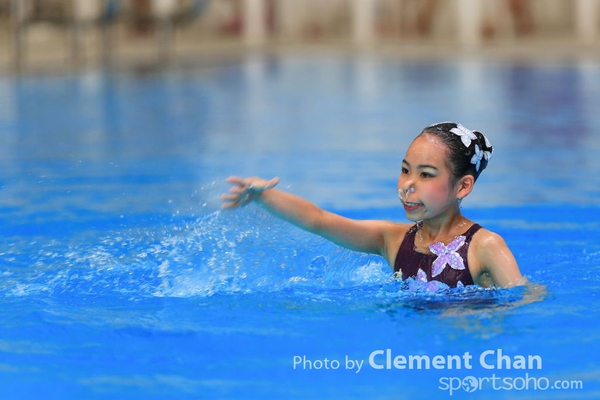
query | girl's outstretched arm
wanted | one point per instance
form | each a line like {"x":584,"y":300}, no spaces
{"x":365,"y":236}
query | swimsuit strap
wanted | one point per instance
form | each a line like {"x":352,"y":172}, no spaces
{"x":470,"y":232}
{"x":407,"y":245}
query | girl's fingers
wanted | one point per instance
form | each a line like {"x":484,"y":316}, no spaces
{"x":229,"y":197}
{"x":245,"y":190}
{"x":236,"y":180}
{"x":272,"y":182}
{"x":237,"y":189}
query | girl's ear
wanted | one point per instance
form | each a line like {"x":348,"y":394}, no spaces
{"x":464,"y":186}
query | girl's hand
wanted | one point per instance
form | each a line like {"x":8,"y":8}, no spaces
{"x":244,"y":190}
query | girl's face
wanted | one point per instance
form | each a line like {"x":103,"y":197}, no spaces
{"x":425,"y":181}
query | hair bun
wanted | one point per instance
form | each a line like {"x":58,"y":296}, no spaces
{"x":469,"y":151}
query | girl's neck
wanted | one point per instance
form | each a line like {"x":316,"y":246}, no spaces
{"x":443,"y":227}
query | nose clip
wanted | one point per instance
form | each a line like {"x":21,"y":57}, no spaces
{"x":403,"y":193}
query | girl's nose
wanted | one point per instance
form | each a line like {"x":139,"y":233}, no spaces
{"x":408,"y":188}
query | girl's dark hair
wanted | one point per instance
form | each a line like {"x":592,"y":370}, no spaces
{"x":468,"y":151}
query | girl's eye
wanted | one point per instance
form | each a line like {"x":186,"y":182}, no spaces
{"x":404,"y":170}
{"x":426,"y":175}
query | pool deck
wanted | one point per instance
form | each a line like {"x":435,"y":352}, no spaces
{"x":48,"y":50}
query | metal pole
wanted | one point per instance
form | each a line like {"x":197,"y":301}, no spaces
{"x":163,"y":11}
{"x":254,"y":21}
{"x":586,"y":20}
{"x":18,"y":26}
{"x":363,"y":17}
{"x":78,"y":13}
{"x":469,"y":22}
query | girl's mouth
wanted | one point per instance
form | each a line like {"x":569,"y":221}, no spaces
{"x":408,"y":206}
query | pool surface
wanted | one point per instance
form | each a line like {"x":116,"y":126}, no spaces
{"x":120,"y":278}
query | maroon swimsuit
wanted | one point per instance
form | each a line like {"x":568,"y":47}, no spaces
{"x":445,"y":263}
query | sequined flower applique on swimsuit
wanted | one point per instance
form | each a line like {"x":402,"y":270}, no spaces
{"x":447,"y":255}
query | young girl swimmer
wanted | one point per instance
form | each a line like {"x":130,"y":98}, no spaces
{"x":438,"y":171}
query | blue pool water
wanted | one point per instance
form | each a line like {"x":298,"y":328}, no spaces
{"x":120,"y":278}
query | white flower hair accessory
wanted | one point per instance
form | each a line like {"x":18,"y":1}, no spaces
{"x":476,"y":159}
{"x":466,"y":135}
{"x":487,"y":154}
{"x":487,"y":142}
{"x":480,"y":154}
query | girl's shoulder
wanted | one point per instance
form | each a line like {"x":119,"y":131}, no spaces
{"x":493,"y":258}
{"x":395,"y":234}
{"x":398,"y":230}
{"x":486,"y":239}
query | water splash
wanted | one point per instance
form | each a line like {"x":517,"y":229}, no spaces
{"x":244,"y":251}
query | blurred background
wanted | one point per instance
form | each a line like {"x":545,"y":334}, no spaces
{"x":121,"y":119}
{"x":58,"y":34}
